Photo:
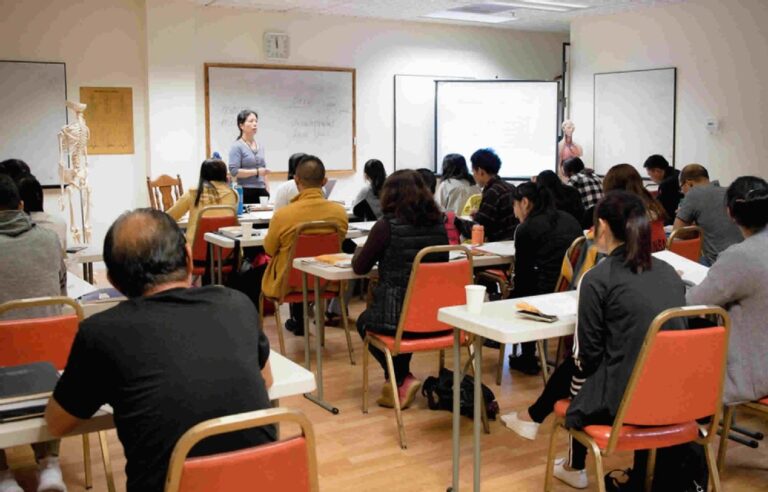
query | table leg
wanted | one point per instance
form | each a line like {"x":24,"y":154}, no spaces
{"x":478,"y":373}
{"x":456,"y":427}
{"x":319,"y":322}
{"x":210,"y":262}
{"x":218,"y":262}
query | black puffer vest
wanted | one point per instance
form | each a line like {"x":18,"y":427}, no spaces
{"x":395,"y":269}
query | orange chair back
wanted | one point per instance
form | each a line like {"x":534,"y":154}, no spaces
{"x":288,"y":466}
{"x":431,"y":287}
{"x":679,"y":374}
{"x":658,"y":236}
{"x":323,"y":241}
{"x":164,"y":191}
{"x":211,"y":219}
{"x":49,"y":339}
{"x":687,"y":246}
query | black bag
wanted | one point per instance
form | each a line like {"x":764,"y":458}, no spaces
{"x":439,"y":394}
{"x":681,"y":468}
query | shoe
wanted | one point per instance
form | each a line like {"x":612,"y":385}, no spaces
{"x":49,"y":477}
{"x":332,"y":319}
{"x":408,"y":391}
{"x":529,"y":366}
{"x":622,"y":481}
{"x":524,"y":429}
{"x":294,"y":327}
{"x":575,"y":478}
{"x":387,"y":398}
{"x":8,"y":483}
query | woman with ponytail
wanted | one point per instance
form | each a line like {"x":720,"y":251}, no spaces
{"x":541,"y":240}
{"x":618,"y":299}
{"x":738,"y":281}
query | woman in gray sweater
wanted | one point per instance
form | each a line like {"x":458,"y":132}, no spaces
{"x":738,"y":281}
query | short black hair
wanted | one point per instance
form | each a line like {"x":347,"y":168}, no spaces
{"x":31,"y":193}
{"x":310,"y":171}
{"x":144,"y":248}
{"x":9,"y":193}
{"x":487,"y":160}
{"x":656,"y":161}
{"x":572,"y":166}
{"x":15,"y":168}
{"x":747,"y":201}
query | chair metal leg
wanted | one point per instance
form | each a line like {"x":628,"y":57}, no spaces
{"x":714,"y":475}
{"x":87,"y":460}
{"x":279,"y":322}
{"x":366,"y":343}
{"x":396,"y":397}
{"x":107,"y":461}
{"x":650,"y":467}
{"x":723,"y":448}
{"x":345,"y":321}
{"x":599,"y":471}
{"x":543,"y":360}
{"x":500,"y":365}
{"x":548,"y":473}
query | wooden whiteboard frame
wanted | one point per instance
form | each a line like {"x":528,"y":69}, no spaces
{"x":281,"y":174}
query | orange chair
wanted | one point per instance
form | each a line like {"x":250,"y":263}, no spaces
{"x":312,"y":239}
{"x":677,"y":379}
{"x":211,"y":219}
{"x":759,"y":407}
{"x":686,"y":242}
{"x":289,"y":465}
{"x":49,"y":339}
{"x":419,"y":315}
{"x":164,"y":191}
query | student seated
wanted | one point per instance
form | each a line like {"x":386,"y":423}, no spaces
{"x":668,"y":179}
{"x":411,"y":222}
{"x":704,"y":205}
{"x":567,"y":198}
{"x":543,"y":236}
{"x":288,"y":190}
{"x":456,"y":184}
{"x":495,"y":213}
{"x":738,"y":281}
{"x":169,"y":357}
{"x":610,"y":328}
{"x":430,"y":181}
{"x":367,"y":205}
{"x":31,"y":265}
{"x":587,"y":183}
{"x":212,"y":189}
{"x":625,"y":177}
{"x":32,"y":195}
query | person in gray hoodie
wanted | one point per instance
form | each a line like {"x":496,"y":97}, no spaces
{"x":31,"y":265}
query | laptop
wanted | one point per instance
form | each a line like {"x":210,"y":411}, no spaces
{"x":329,"y":187}
{"x":25,"y":390}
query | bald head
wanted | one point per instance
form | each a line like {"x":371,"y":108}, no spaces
{"x":310,"y":172}
{"x":143,"y":250}
{"x":694,"y":172}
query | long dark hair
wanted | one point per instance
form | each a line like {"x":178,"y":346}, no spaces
{"x":540,"y":198}
{"x":242,"y":116}
{"x":210,"y":170}
{"x":747,"y":202}
{"x":625,"y":177}
{"x":374,"y":169}
{"x":455,"y":167}
{"x":293,"y":161}
{"x":406,"y":197}
{"x":625,"y":214}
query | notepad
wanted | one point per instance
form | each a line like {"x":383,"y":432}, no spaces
{"x":340,"y":260}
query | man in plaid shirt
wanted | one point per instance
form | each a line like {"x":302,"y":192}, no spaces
{"x":589,"y":186}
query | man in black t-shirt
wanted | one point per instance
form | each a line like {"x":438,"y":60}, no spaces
{"x":668,"y":179}
{"x":166,"y":359}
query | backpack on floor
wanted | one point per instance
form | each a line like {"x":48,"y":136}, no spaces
{"x":439,"y":394}
{"x":681,"y":468}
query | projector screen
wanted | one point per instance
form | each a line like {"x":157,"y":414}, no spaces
{"x":518,"y":119}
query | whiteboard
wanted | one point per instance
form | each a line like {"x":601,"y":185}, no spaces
{"x":415,"y":121}
{"x":518,"y":119}
{"x":301,"y":109}
{"x":634,"y":117}
{"x":33,"y":97}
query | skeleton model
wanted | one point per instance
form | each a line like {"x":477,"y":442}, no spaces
{"x":73,"y":142}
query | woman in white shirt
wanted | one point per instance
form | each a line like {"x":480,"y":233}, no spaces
{"x":288,"y":190}
{"x":366,"y":205}
{"x":456,"y":185}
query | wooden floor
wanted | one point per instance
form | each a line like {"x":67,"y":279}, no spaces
{"x":358,"y":452}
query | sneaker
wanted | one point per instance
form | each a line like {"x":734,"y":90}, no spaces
{"x":49,"y":477}
{"x":8,"y":483}
{"x":294,"y":327}
{"x":575,"y":478}
{"x":387,"y":398}
{"x":524,"y":429}
{"x":408,"y":391}
{"x":526,"y":365}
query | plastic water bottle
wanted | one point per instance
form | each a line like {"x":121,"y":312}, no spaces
{"x":239,"y":190}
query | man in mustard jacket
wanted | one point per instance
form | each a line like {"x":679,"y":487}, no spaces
{"x":310,"y":205}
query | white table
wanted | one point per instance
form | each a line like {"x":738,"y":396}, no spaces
{"x":258,"y":217}
{"x":87,"y":257}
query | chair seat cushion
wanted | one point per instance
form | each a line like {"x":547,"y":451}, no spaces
{"x":408,"y":345}
{"x":763,"y":401}
{"x":632,"y":437}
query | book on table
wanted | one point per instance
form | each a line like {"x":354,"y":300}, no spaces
{"x":25,"y":389}
{"x":341,"y":260}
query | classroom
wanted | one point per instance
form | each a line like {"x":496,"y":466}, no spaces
{"x":335,"y":77}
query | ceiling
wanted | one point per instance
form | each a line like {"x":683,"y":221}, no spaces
{"x":414,"y":10}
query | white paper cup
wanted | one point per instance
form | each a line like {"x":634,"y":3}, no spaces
{"x":247,"y":229}
{"x":263,"y":200}
{"x":475,"y":298}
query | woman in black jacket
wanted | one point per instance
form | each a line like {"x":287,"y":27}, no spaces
{"x":618,"y":299}
{"x":541,"y":239}
{"x":567,"y":198}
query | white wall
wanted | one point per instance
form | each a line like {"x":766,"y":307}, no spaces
{"x":182,"y":37}
{"x":102,"y":43}
{"x":719,"y":50}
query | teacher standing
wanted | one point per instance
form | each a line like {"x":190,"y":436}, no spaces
{"x":246,"y":159}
